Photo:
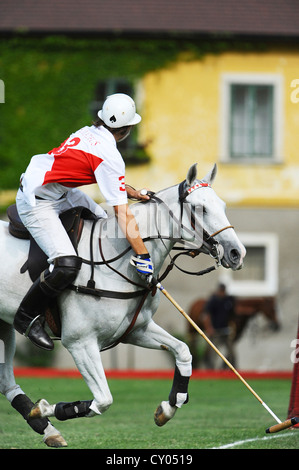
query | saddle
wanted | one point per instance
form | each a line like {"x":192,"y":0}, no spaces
{"x":73,"y":222}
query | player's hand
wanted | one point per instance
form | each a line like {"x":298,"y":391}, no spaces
{"x":137,"y":194}
{"x":144,"y":266}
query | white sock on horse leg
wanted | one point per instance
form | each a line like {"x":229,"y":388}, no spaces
{"x":93,"y":407}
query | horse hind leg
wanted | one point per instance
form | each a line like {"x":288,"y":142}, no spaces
{"x":15,"y":395}
{"x":51,"y":437}
{"x":88,"y":359}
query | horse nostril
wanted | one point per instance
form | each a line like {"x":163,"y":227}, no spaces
{"x":234,"y":256}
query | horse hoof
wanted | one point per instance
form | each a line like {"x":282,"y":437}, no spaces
{"x":164,"y":413}
{"x":41,"y":409}
{"x":56,"y":440}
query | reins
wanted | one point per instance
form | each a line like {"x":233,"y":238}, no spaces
{"x":209,"y":245}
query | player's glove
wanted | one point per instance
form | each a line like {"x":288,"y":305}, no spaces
{"x":144,"y":266}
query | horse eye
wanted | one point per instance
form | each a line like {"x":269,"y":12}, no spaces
{"x":204,"y":210}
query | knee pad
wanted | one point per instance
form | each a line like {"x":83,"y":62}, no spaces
{"x":65,"y":271}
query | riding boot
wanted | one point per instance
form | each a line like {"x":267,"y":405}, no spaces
{"x":28,"y":319}
{"x":49,"y":285}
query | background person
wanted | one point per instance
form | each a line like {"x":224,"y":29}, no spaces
{"x":217,"y":314}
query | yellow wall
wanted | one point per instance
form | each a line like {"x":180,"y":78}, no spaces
{"x":181,"y":121}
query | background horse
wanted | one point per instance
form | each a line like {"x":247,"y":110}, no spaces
{"x":109,"y":303}
{"x":244,"y":310}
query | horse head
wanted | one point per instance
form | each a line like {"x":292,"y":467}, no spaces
{"x":208,"y":214}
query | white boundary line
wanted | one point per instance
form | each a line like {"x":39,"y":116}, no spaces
{"x":238,"y":443}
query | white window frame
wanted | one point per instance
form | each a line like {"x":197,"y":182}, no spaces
{"x":267,"y":287}
{"x":229,"y":79}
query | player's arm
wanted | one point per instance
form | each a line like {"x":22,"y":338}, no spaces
{"x":142,"y":261}
{"x":128,"y":225}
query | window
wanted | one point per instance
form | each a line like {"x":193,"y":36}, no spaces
{"x":251,"y":127}
{"x":259,"y":275}
{"x":105,"y":88}
{"x":251,"y":118}
{"x":131,"y":150}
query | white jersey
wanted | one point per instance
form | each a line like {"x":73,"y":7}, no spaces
{"x":88,"y":156}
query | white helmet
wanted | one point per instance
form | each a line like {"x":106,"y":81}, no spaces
{"x":119,"y":110}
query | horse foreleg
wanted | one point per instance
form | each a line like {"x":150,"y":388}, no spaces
{"x":88,"y":360}
{"x":87,"y":357}
{"x":154,"y":337}
{"x":178,"y":396}
{"x":62,"y":410}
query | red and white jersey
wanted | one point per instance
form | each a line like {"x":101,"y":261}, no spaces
{"x":88,"y":156}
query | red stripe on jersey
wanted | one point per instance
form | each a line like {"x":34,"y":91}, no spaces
{"x":73,"y":168}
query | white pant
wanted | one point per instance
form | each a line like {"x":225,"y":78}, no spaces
{"x":43,"y":222}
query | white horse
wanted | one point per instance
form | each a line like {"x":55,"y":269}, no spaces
{"x":191,"y":212}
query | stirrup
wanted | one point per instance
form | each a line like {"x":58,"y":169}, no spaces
{"x":31,"y":325}
{"x":36,"y":333}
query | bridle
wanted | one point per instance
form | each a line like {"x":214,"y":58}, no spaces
{"x":209,"y":246}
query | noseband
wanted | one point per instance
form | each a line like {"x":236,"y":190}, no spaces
{"x":221,"y":230}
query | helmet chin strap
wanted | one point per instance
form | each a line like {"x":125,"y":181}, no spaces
{"x":125,"y":136}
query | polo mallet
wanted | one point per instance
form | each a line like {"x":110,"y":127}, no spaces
{"x":277,"y":427}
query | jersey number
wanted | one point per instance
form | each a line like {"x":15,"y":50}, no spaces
{"x":65,"y":145}
{"x":122,"y":186}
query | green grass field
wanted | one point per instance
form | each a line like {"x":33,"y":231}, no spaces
{"x":219,"y":413}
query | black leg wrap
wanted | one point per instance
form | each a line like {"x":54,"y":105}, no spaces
{"x":75,"y":409}
{"x":180,"y":385}
{"x":23,"y":405}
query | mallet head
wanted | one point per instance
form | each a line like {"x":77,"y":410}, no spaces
{"x":285,"y":425}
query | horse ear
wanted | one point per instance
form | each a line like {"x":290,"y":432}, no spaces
{"x":209,"y":178}
{"x":191,"y":175}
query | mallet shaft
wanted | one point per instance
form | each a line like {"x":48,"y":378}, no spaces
{"x":179,"y":308}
